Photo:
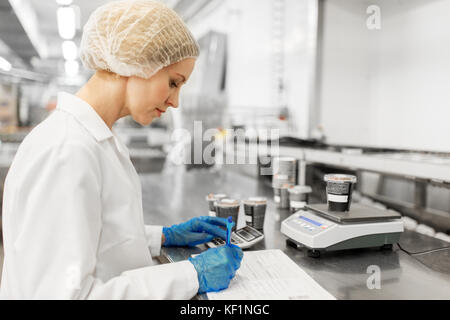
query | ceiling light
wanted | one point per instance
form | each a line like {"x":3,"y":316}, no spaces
{"x":66,"y":22}
{"x":26,"y":14}
{"x":71,"y":67}
{"x":69,"y":49}
{"x":64,"y":2}
{"x":4,"y":64}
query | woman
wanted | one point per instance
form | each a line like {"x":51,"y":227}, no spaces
{"x":72,"y":214}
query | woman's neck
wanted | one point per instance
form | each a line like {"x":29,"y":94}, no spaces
{"x":105,"y":93}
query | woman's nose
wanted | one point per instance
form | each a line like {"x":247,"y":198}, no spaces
{"x":172,"y":101}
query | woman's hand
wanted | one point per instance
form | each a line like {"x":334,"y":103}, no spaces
{"x":216,"y":267}
{"x":195,"y":231}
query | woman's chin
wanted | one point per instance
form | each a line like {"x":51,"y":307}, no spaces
{"x":144,"y":121}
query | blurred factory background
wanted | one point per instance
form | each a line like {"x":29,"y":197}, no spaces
{"x":350,"y":89}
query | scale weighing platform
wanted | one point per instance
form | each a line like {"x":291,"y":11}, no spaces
{"x":319,"y":229}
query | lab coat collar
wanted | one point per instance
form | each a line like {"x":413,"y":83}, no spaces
{"x":120,"y":145}
{"x":85,"y":114}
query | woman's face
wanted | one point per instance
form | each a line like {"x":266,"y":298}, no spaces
{"x":147,"y":99}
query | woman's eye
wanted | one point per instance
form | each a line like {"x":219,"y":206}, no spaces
{"x":173,"y":84}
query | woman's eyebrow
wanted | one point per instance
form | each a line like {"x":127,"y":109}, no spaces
{"x":184,"y":78}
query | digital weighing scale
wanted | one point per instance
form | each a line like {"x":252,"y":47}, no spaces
{"x":319,"y":229}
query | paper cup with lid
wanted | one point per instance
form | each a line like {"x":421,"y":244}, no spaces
{"x":298,"y":197}
{"x":284,"y":170}
{"x":255,"y":212}
{"x":339,"y":191}
{"x":212,"y":200}
{"x":228,"y":207}
{"x":281,"y":196}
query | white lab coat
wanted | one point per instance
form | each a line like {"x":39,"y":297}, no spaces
{"x":72,"y":217}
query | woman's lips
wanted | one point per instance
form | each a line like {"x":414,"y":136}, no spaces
{"x":159,"y":112}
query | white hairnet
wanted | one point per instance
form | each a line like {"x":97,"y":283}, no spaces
{"x":135,"y":38}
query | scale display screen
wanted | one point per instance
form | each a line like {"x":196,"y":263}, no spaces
{"x":310,"y":221}
{"x":247,"y":236}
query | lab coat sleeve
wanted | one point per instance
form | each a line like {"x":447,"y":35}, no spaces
{"x":56,"y":246}
{"x":154,"y":234}
{"x":165,"y":281}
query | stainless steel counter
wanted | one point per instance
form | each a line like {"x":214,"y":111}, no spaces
{"x":176,"y":196}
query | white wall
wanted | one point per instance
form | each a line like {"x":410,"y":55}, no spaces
{"x":387,"y":87}
{"x":250,"y":74}
{"x":247,"y":27}
{"x":301,"y":25}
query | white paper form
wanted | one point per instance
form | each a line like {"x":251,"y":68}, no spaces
{"x":271,"y":275}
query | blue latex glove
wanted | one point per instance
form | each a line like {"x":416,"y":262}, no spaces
{"x":216,"y":267}
{"x":195,"y":231}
